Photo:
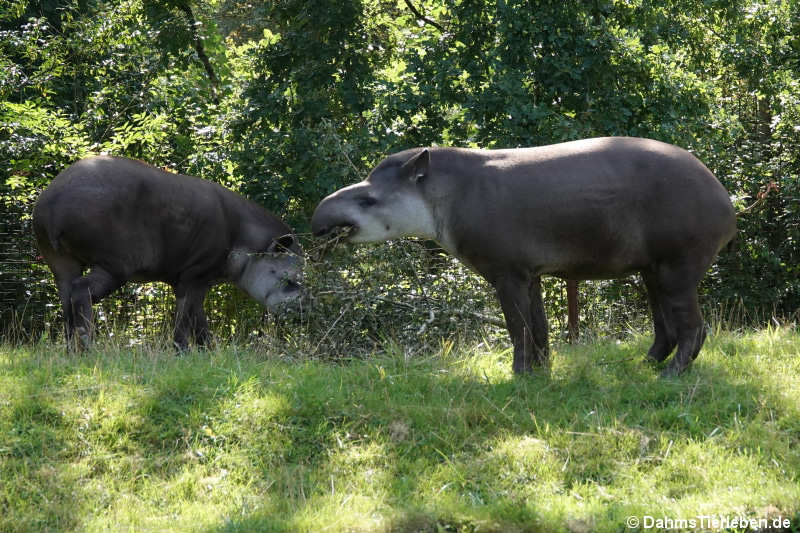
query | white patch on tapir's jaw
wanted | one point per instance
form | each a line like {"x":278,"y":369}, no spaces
{"x":403,"y":216}
{"x":272,"y":280}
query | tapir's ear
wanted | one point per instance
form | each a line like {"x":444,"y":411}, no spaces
{"x":417,"y":167}
{"x":282,"y":244}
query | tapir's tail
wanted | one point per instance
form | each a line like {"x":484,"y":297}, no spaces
{"x":42,"y":228}
{"x":732,"y":245}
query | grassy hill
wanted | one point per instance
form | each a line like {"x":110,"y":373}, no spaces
{"x":243,"y":440}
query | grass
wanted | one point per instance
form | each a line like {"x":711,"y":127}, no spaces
{"x":240,"y":440}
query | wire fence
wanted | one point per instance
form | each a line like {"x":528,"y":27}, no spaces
{"x":27,"y":297}
{"x":29,"y":302}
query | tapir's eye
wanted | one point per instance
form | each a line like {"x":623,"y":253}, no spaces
{"x":366,"y":201}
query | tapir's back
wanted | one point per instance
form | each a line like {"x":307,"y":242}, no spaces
{"x":622,"y":182}
{"x":618,"y":164}
{"x":640,"y":185}
{"x":596,"y":207}
{"x":106,"y":209}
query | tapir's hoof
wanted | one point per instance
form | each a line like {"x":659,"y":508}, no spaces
{"x":84,"y":339}
{"x":657,"y":356}
{"x":672,"y":370}
{"x":531,"y":369}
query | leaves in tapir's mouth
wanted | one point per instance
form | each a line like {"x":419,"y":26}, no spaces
{"x":331,"y":238}
{"x":340,"y":232}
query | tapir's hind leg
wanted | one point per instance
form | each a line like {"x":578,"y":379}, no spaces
{"x":64,"y":293}
{"x":65,"y":270}
{"x":666,"y":338}
{"x":87,"y":290}
{"x":678,"y":284}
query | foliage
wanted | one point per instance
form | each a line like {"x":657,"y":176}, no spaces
{"x":250,"y":440}
{"x":304,"y":120}
{"x":287,"y":101}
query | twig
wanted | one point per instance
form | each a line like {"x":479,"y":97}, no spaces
{"x":583,"y":434}
{"x":428,"y":322}
{"x":333,"y":325}
{"x":64,"y":391}
{"x":333,"y":134}
{"x":694,"y":389}
{"x":761,"y":198}
{"x":398,"y":304}
{"x":751,"y":207}
{"x":488,"y":319}
{"x":616,"y":361}
{"x":327,"y":244}
{"x":422,"y":17}
{"x":666,"y":454}
{"x":421,"y":288}
{"x":200,"y":50}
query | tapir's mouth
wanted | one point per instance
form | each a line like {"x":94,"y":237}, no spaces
{"x":340,"y":232}
{"x":288,"y":295}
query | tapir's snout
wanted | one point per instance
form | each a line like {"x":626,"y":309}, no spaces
{"x":288,"y":296}
{"x":286,"y":292}
{"x":329,"y":220}
{"x":321,"y":230}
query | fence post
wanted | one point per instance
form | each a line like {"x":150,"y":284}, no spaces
{"x":572,"y":310}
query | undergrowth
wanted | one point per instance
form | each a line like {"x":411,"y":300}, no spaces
{"x":356,"y":297}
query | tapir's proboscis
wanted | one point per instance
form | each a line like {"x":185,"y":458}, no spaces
{"x":107,"y":220}
{"x":591,"y":209}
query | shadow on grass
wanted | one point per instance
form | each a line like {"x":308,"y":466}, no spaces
{"x":38,"y":487}
{"x":453,"y":422}
{"x":421,"y":440}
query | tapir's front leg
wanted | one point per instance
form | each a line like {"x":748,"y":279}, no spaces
{"x":190,"y":319}
{"x":528,"y":334}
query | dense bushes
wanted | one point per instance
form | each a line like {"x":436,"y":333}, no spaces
{"x":287,"y":101}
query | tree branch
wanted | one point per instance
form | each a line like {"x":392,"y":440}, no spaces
{"x":422,"y":17}
{"x":201,"y":51}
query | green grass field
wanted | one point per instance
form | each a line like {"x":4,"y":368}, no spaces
{"x":239,"y":440}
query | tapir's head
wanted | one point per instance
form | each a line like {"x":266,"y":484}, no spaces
{"x":389,"y":204}
{"x":272,"y":276}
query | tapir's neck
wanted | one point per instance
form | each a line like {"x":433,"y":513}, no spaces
{"x":235,"y":264}
{"x":440,"y":215}
{"x":444,"y":194}
{"x":420,"y":219}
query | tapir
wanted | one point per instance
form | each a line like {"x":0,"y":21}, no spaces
{"x":107,"y":220}
{"x":590,"y":209}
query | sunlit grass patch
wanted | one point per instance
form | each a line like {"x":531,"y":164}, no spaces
{"x":240,"y":440}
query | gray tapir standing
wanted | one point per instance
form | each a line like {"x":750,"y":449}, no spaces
{"x":125,"y":220}
{"x":589,"y":209}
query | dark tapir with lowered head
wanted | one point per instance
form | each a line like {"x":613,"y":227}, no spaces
{"x":589,"y":209}
{"x":107,"y":220}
